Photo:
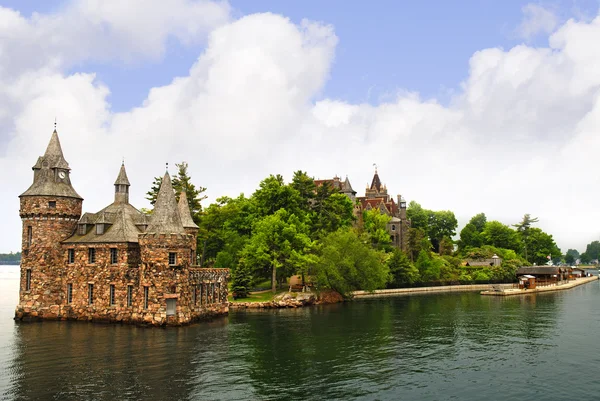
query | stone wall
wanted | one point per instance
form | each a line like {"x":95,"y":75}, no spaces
{"x":43,"y":229}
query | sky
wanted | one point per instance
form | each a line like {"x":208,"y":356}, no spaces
{"x":484,"y":106}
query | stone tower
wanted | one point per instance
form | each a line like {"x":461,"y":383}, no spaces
{"x":49,"y":210}
{"x":166,"y":244}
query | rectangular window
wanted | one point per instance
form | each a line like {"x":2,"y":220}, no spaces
{"x":29,"y":235}
{"x":99,"y":229}
{"x":113,"y":256}
{"x":112,"y":294}
{"x":146,"y":297}
{"x":217,"y":292}
{"x":195,"y":295}
{"x":81,"y":229}
{"x":201,"y":294}
{"x":70,"y":256}
{"x":129,"y":295}
{"x":191,"y":256}
{"x":52,"y":204}
{"x":92,"y":255}
{"x":28,"y":280}
{"x":172,"y":258}
{"x":212,"y":293}
{"x":69,"y":293}
{"x":171,"y":307}
{"x":90,"y":294}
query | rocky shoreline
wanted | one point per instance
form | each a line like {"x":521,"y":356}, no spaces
{"x":292,"y":300}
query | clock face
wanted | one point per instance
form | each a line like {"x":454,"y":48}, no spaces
{"x":62,"y":174}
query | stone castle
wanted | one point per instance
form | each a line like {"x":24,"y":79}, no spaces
{"x":116,"y":265}
{"x":376,"y":197}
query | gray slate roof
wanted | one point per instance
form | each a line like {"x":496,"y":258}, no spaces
{"x":122,"y":177}
{"x":165,"y":218}
{"x":122,"y":225}
{"x":376,"y":183}
{"x":533,"y":270}
{"x":44,"y":181}
{"x":184,"y":212}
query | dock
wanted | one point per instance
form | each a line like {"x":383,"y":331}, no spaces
{"x":554,"y":287}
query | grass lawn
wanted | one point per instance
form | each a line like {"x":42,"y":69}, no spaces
{"x":264,"y":296}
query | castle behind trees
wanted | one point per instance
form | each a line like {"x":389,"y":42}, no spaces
{"x":115,"y":265}
{"x":376,"y":197}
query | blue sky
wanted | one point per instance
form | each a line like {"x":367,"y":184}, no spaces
{"x":384,"y":46}
{"x":509,"y":95}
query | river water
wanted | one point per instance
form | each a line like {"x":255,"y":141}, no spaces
{"x":421,"y":347}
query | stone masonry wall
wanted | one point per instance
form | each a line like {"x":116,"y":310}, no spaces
{"x":41,"y":251}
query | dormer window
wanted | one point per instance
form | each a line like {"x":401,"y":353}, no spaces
{"x":81,"y":229}
{"x":99,"y":229}
{"x":393,"y":227}
{"x":52,"y":204}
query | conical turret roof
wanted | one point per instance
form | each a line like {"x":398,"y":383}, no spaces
{"x":165,"y":217}
{"x":184,"y":212}
{"x":122,"y":177}
{"x":45,"y":179}
{"x":376,"y":183}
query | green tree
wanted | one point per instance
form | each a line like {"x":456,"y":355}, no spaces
{"x":305,"y":187}
{"x":571,"y":256}
{"x":469,"y":237}
{"x":442,"y":224}
{"x":273,"y":194}
{"x":541,"y":245}
{"x":346,"y":263}
{"x":446,"y":246}
{"x":402,"y":271}
{"x":523,"y":229}
{"x":375,"y":225}
{"x":182,"y":182}
{"x":240,"y":282}
{"x":500,"y":235}
{"x":279,"y":242}
{"x":417,"y":241}
{"x":592,"y":250}
{"x":332,"y":213}
{"x":153,"y":192}
{"x":428,"y":269}
{"x":419,"y":217}
{"x":478,"y":221}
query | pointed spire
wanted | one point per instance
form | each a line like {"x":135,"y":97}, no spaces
{"x":376,"y":183}
{"x":54,"y":149}
{"x":184,"y":212}
{"x":165,"y":217}
{"x":122,"y":177}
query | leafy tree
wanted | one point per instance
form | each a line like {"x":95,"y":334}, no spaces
{"x":153,"y":192}
{"x":375,"y":225}
{"x":500,"y":235}
{"x":592,"y":250}
{"x":571,"y":256}
{"x":402,"y":271}
{"x":523,"y":229}
{"x":417,"y":241}
{"x":541,"y":245}
{"x":240,"y":282}
{"x":419,"y":217}
{"x":442,"y":224}
{"x":332,"y":213}
{"x":478,"y":222}
{"x":346,"y":263}
{"x":446,"y":246}
{"x":182,"y":182}
{"x":305,"y":186}
{"x":428,"y":270}
{"x":274,"y":195}
{"x":279,"y":241}
{"x":470,"y":237}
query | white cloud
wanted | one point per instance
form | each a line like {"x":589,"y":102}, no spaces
{"x":536,"y":20}
{"x":519,"y":137}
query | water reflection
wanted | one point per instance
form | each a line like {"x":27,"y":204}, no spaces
{"x":461,"y":346}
